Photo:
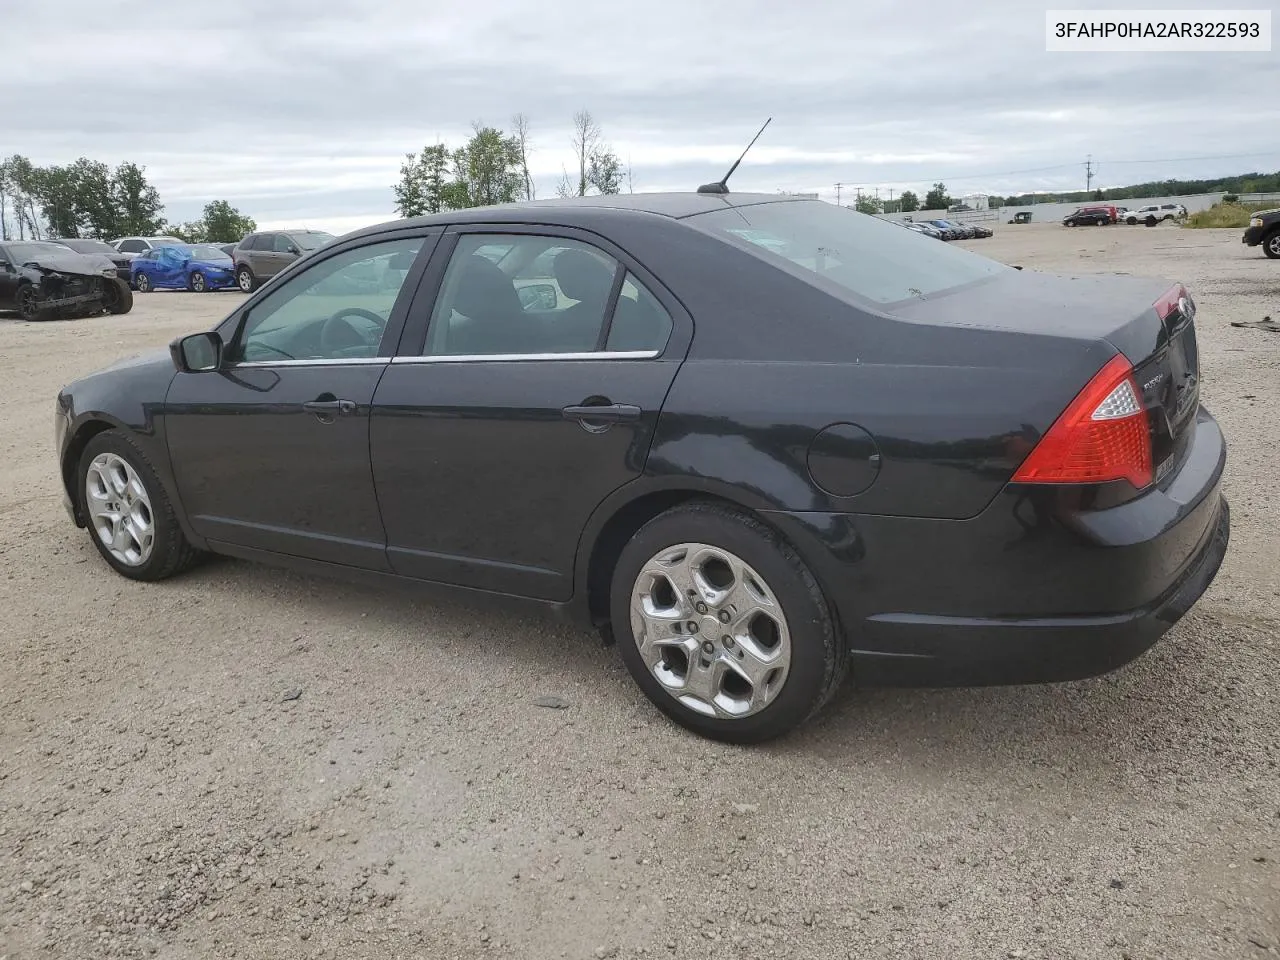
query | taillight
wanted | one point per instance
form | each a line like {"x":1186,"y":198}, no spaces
{"x":1101,"y":436}
{"x":1175,"y":298}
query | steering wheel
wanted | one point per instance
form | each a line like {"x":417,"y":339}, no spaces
{"x":338,"y":333}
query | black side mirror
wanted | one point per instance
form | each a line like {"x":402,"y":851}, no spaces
{"x":294,"y":250}
{"x":197,"y":352}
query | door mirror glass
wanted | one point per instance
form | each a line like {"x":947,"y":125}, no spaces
{"x":197,"y":353}
{"x":539,"y":296}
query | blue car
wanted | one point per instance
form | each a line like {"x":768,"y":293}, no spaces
{"x":197,"y":267}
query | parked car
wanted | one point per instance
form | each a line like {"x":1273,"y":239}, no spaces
{"x":1096,"y":216}
{"x":1264,"y":231}
{"x":102,"y":249}
{"x":961,"y":231}
{"x":928,"y":229}
{"x":132,"y":246}
{"x":198,"y":267}
{"x":950,"y":231}
{"x":260,"y":256}
{"x":1156,"y":212}
{"x":879,"y":454}
{"x":43,"y":280}
{"x":228,"y":248}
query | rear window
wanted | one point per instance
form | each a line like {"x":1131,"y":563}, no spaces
{"x":864,"y":255}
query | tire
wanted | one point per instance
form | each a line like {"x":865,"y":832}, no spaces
{"x":1070,"y":223}
{"x":28,"y":303}
{"x":1151,"y":220}
{"x":121,"y":301}
{"x":170,"y":552}
{"x":809,"y":648}
{"x":1271,"y":244}
{"x":143,"y":283}
{"x":1167,"y":216}
{"x":245,"y":279}
{"x":196,"y":282}
{"x":1131,"y":221}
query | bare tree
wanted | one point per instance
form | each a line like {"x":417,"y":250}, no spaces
{"x":630,"y":186}
{"x":520,"y":132}
{"x":565,"y":187}
{"x":586,"y":137}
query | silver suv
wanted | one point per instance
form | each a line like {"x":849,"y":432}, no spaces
{"x":260,"y":256}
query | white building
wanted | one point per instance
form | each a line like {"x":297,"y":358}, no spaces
{"x":979,"y":201}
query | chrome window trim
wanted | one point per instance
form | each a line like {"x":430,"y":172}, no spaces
{"x":506,"y":357}
{"x":317,"y":362}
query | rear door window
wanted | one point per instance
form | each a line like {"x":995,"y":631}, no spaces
{"x":846,"y":252}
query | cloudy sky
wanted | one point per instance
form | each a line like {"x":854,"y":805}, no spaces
{"x":300,"y":111}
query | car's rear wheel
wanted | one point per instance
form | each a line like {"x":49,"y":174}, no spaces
{"x":245,"y":280}
{"x":127,"y":511}
{"x":723,"y":626}
{"x":117,"y":298}
{"x":196,"y":283}
{"x":1131,"y":221}
{"x":143,"y":283}
{"x":1271,"y":244}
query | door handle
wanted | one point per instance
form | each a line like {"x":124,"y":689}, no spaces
{"x":327,"y":408}
{"x":602,"y":413}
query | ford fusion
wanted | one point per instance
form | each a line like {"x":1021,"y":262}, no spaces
{"x":760,"y":443}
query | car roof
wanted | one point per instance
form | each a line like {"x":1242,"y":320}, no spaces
{"x":573,"y":210}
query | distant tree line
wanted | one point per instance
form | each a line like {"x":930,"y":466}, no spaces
{"x":87,"y":198}
{"x":1241,"y":183}
{"x":493,"y":167}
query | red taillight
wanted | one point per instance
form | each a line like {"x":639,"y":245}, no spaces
{"x":1170,"y":301}
{"x":1101,"y":436}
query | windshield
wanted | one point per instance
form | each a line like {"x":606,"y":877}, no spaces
{"x":34,"y":250}
{"x":862,"y":254}
{"x":202,"y":251}
{"x":312,"y":239}
{"x":89,"y":246}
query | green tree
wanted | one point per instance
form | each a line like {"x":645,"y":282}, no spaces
{"x":604,"y":171}
{"x":486,"y":170}
{"x":908,"y":202}
{"x":138,"y":203}
{"x":55,"y":189}
{"x":868,"y":204}
{"x":223,"y":223}
{"x":937,"y":199}
{"x":191,"y":232}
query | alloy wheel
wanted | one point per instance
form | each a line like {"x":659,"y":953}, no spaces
{"x":245,"y":279}
{"x":1273,"y":244}
{"x":143,"y":283}
{"x":197,"y":282}
{"x":28,"y":302}
{"x":119,"y":509}
{"x":710,"y":630}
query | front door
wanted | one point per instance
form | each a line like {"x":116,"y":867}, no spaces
{"x":271,"y":452}
{"x":530,"y":398}
{"x":8,"y":279}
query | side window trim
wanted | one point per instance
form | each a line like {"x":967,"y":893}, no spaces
{"x":414,"y":342}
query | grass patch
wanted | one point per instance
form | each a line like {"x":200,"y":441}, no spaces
{"x":1227,"y":215}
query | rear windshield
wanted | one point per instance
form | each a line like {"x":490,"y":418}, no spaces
{"x":870,"y":257}
{"x":312,"y":239}
{"x":203,"y":252}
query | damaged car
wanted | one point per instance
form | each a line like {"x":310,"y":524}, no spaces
{"x":42,"y":280}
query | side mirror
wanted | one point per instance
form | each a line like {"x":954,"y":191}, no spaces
{"x":197,"y":352}
{"x":294,"y":250}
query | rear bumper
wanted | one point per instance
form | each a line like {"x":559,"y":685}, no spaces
{"x":1036,"y":588}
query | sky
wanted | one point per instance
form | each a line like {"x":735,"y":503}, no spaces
{"x":299,"y":112}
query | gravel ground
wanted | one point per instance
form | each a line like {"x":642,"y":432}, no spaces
{"x":245,"y":762}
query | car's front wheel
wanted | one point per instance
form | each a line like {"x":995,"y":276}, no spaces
{"x":117,"y":298}
{"x":245,"y":280}
{"x":723,"y":626}
{"x":196,"y":282}
{"x":1271,"y":244}
{"x":127,"y":511}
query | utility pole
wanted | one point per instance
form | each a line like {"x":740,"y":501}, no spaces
{"x":1088,"y":173}
{"x":858,"y":202}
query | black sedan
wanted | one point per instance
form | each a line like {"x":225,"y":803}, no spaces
{"x":99,"y":248}
{"x":759,"y":442}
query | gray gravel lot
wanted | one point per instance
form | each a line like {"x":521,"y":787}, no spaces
{"x":162,"y":794}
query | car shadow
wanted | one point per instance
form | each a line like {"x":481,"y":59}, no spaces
{"x":1077,"y":726}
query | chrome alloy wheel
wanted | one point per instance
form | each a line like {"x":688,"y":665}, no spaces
{"x":119,"y":509}
{"x":710,"y":630}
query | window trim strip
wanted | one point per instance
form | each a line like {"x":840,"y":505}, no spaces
{"x":310,"y":362}
{"x":508,"y":357}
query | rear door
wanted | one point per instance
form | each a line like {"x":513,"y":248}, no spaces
{"x":260,"y":254}
{"x":526,"y":390}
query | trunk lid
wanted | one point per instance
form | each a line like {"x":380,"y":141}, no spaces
{"x":1151,"y":322}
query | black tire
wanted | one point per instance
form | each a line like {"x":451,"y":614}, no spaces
{"x":171,"y":553}
{"x":1271,"y":244}
{"x":245,"y":279}
{"x":28,"y":303}
{"x":142,"y":283}
{"x":196,"y":282}
{"x":1070,"y":223}
{"x":1131,"y":221}
{"x":117,"y":298}
{"x":819,"y":660}
{"x":1151,"y":220}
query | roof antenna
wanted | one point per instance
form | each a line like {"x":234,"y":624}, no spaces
{"x":721,"y":186}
